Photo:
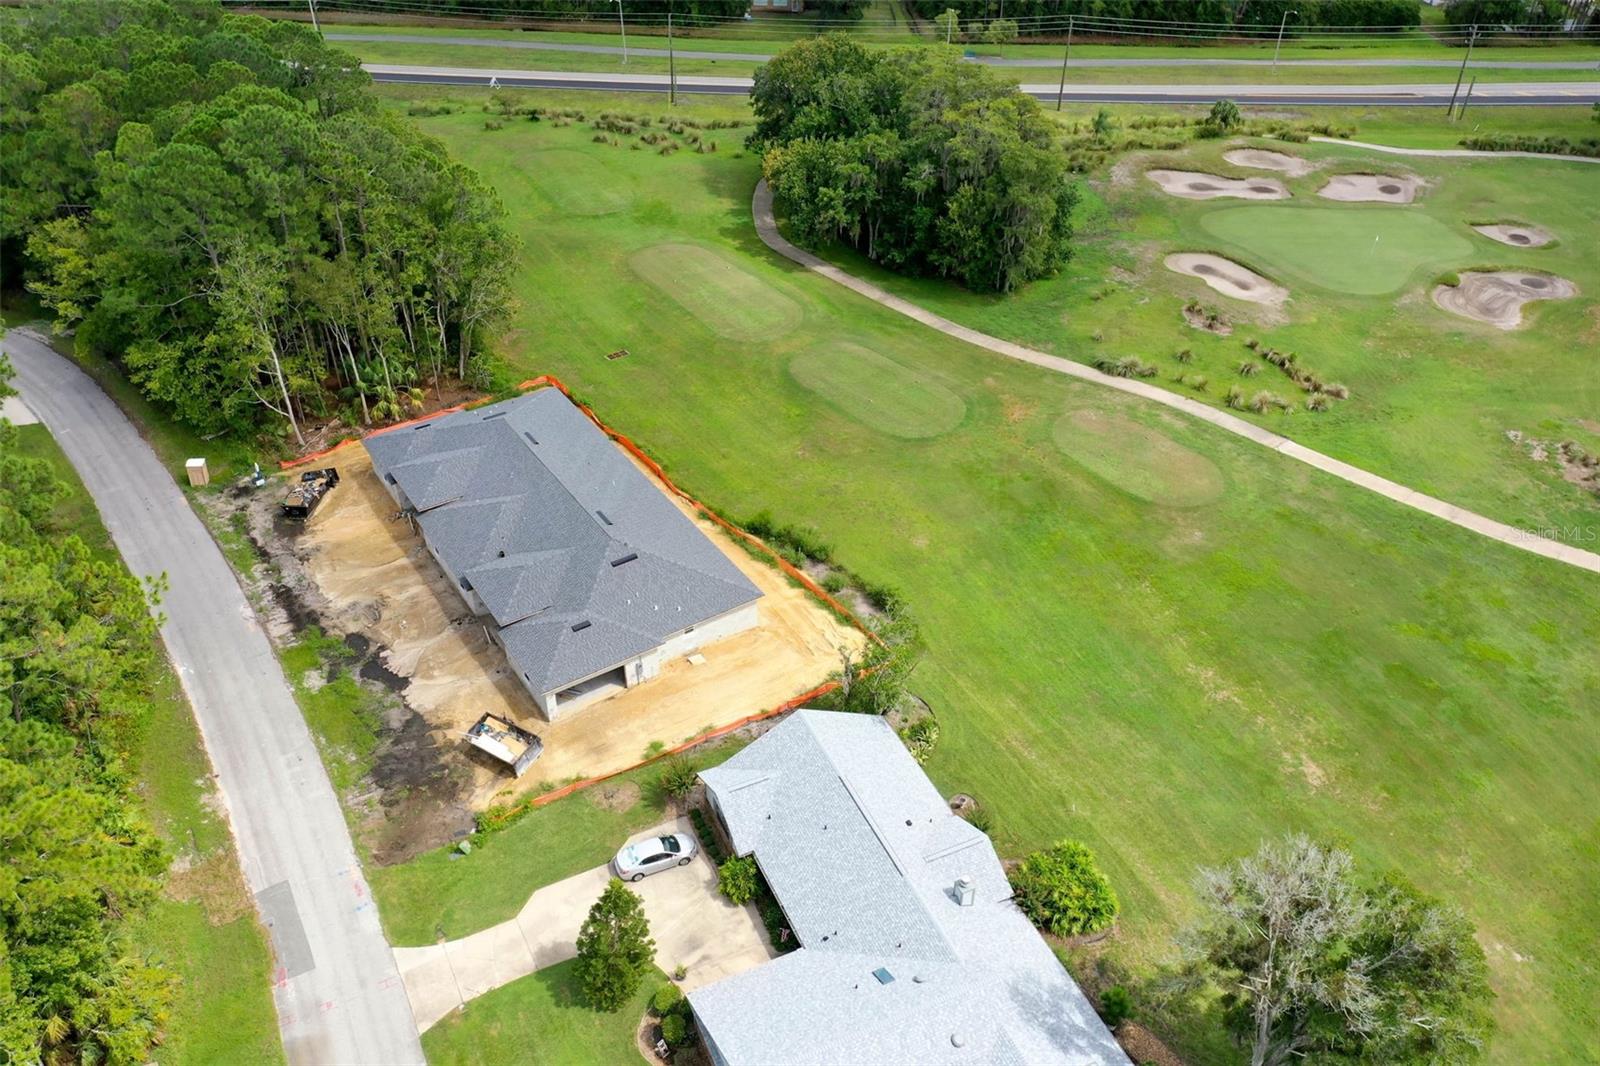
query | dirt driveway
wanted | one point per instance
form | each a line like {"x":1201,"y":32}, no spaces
{"x":693,"y":924}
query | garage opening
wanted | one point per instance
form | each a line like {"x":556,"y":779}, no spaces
{"x":592,"y":690}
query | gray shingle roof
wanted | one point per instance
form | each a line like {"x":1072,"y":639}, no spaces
{"x":553,"y":527}
{"x":863,"y":854}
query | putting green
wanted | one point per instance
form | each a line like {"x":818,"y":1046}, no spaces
{"x":576,"y":183}
{"x":729,"y":300}
{"x":879,"y":392}
{"x":1363,"y":251}
{"x":1137,"y":459}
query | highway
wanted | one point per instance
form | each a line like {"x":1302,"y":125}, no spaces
{"x":336,"y":986}
{"x":1522,"y":94}
{"x":534,"y":44}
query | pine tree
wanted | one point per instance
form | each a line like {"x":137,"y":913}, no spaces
{"x":615,"y":949}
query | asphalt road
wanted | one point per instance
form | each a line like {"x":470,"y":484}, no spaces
{"x":536,"y":45}
{"x":1522,"y":94}
{"x":338,"y":992}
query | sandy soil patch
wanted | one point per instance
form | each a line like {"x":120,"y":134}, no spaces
{"x":1194,"y":185}
{"x":1374,"y":188}
{"x":1517,"y":235}
{"x":1266,"y":159}
{"x":378,"y":580}
{"x":1497,"y":297}
{"x":1227,"y":277}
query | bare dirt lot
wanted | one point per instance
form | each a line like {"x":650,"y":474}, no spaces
{"x":358,"y":571}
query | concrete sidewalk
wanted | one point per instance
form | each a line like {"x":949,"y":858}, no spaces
{"x":693,"y":924}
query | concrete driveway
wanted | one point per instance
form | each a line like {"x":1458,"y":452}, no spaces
{"x":694,"y":926}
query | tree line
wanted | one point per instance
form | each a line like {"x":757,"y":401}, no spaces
{"x":77,"y":858}
{"x":923,"y":163}
{"x":218,"y":203}
{"x":1244,"y":17}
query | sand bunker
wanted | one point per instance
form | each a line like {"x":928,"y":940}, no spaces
{"x":1517,"y":235}
{"x":1497,"y":298}
{"x":1193,"y":185}
{"x":1227,"y":277}
{"x":1377,"y":188}
{"x":1264,"y":159}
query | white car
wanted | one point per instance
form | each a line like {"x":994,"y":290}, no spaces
{"x":654,"y":854}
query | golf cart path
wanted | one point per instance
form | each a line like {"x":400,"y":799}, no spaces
{"x":693,"y":924}
{"x":767,"y":228}
{"x":1453,"y":153}
{"x":338,"y":997}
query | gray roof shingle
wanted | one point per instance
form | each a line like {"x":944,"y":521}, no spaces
{"x":553,"y":527}
{"x":863,"y":854}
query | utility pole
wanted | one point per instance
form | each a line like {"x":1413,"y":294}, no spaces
{"x":1468,"y":98}
{"x":1472,"y":38}
{"x":1061,"y":92}
{"x":624,"y":26}
{"x":311,"y":5}
{"x":1279,"y":46}
{"x":672,"y":66}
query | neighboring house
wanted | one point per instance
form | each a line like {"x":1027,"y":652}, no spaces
{"x":792,"y":7}
{"x":589,"y":576}
{"x":911,"y":948}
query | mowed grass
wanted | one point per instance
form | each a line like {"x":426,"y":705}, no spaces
{"x":1169,"y":684}
{"x":443,"y":894}
{"x":221,"y":1008}
{"x":902,"y":401}
{"x":1364,"y":251}
{"x":1133,"y":458}
{"x":584,"y":188}
{"x":539,"y":1020}
{"x":717,"y":292}
{"x":1433,"y":395}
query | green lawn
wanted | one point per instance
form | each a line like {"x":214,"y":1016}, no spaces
{"x":1169,"y":683}
{"x":1369,"y":251}
{"x":539,"y":1020}
{"x":204,"y":929}
{"x":442,"y":894}
{"x":1432,"y":394}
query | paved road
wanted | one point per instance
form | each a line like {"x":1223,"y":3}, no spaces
{"x":1518,"y":93}
{"x":338,"y":992}
{"x":767,"y":229}
{"x":536,"y":45}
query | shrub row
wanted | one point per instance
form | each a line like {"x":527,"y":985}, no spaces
{"x":1507,"y":142}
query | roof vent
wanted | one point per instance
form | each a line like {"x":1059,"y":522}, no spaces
{"x":966,"y":891}
{"x":625,"y":559}
{"x":918,"y":978}
{"x":581,"y":626}
{"x":501,"y":554}
{"x":525,"y":433}
{"x":602,"y":516}
{"x":883,"y":975}
{"x":497,"y":414}
{"x":957,"y":1040}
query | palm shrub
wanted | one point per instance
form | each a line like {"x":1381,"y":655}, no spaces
{"x":1063,"y":891}
{"x":677,"y":777}
{"x":1116,"y":1006}
{"x":738,"y":879}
